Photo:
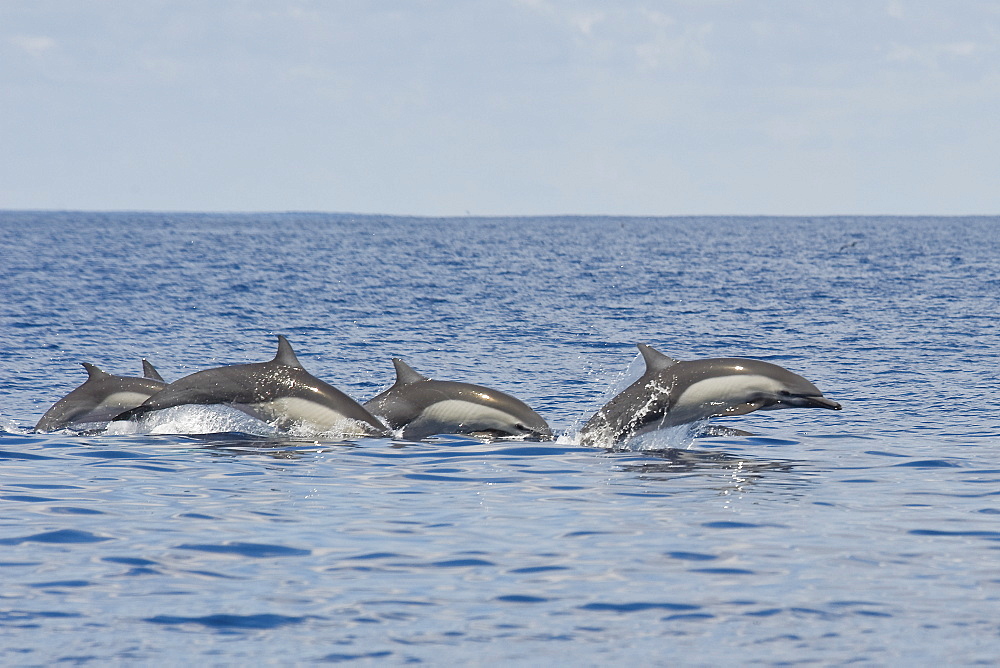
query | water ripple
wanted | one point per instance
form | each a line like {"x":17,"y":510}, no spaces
{"x":62,"y":536}
{"x":255,"y":550}
{"x":521,"y":598}
{"x":639,"y":606}
{"x":27,"y":456}
{"x":60,"y":584}
{"x":237,"y":622}
{"x":867,"y":536}
{"x":691,"y":556}
{"x":344,"y":658}
{"x":989,"y":535}
{"x":729,"y":524}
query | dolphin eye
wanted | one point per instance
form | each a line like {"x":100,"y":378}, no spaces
{"x":784,"y":393}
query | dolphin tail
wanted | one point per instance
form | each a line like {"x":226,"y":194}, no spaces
{"x":131,"y":413}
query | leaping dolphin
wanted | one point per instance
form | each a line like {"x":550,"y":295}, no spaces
{"x":671,"y":393}
{"x":423,"y":407}
{"x":101,"y":397}
{"x":280,"y":391}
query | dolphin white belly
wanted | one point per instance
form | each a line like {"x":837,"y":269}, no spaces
{"x":713,"y":396}
{"x":442,"y":416}
{"x":288,"y":411}
{"x":118,"y":402}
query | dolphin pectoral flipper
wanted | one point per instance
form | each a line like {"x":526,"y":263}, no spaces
{"x":743,"y":409}
{"x":130,"y":414}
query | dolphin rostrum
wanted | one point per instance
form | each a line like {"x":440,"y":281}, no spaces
{"x":101,"y":397}
{"x":670,"y":393}
{"x":423,"y":407}
{"x":280,"y":392}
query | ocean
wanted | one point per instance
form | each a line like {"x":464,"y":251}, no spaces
{"x":868,"y":536}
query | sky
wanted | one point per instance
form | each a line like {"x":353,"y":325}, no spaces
{"x":502,"y":107}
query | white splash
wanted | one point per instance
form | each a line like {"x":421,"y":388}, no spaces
{"x":190,"y":419}
{"x":11,"y":427}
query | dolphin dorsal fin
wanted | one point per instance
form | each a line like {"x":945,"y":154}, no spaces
{"x":93,"y":371}
{"x":405,"y":373}
{"x":286,"y":356}
{"x":149,"y":371}
{"x":654,"y":359}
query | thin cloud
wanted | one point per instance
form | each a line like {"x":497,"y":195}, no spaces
{"x":517,"y":106}
{"x":933,"y":55}
{"x":35,"y":45}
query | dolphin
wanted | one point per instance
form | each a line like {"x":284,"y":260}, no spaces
{"x":280,"y":392}
{"x":671,"y":392}
{"x":101,"y":397}
{"x":423,"y":407}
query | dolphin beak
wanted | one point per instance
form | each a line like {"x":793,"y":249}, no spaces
{"x":538,"y":434}
{"x":821,"y":402}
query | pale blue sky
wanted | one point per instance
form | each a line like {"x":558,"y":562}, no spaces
{"x":502,"y":107}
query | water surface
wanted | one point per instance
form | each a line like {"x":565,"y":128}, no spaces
{"x":868,"y":535}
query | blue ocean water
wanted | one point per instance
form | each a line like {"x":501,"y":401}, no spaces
{"x":868,"y":535}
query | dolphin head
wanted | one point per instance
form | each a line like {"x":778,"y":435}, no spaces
{"x":788,"y":399}
{"x":736,"y":386}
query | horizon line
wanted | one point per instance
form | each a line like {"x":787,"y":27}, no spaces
{"x":468,"y":215}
